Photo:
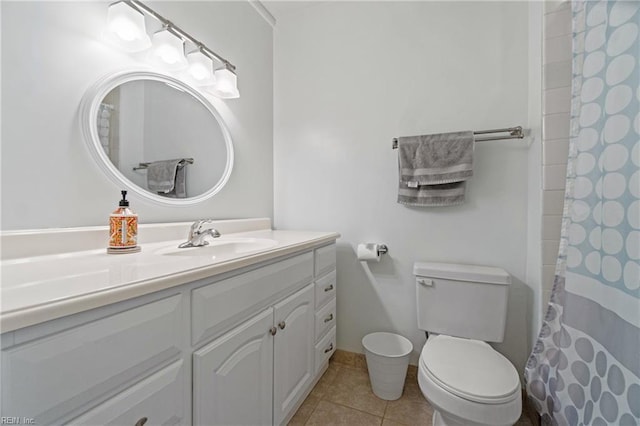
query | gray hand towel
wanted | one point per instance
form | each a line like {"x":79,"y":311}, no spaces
{"x":161,"y":175}
{"x":180,"y":188}
{"x":433,"y":168}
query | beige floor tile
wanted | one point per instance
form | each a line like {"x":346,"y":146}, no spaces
{"x":344,"y":357}
{"x":412,"y":391}
{"x":360,"y":361}
{"x":305,"y":410}
{"x":350,"y":373}
{"x":328,"y":414}
{"x":412,"y":372}
{"x":387,"y":422}
{"x":524,"y":421}
{"x":325,"y":382}
{"x":351,"y":388}
{"x":409,"y":411}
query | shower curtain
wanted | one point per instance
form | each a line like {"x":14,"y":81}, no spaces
{"x":585,"y":366}
{"x":104,"y":123}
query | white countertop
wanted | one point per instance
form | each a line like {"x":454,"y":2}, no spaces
{"x":41,"y":288}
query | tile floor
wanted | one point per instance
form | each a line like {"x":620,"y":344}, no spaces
{"x":343,"y":396}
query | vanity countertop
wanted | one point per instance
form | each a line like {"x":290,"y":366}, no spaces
{"x":41,"y":288}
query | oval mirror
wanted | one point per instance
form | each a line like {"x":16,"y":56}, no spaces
{"x":157,"y":136}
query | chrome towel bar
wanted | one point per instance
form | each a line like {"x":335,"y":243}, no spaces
{"x":142,"y":166}
{"x":514,"y":133}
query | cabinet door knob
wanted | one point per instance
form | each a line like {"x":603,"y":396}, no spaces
{"x":329,"y":349}
{"x":328,"y":288}
{"x":273,"y":331}
{"x":329,"y":318}
{"x":141,"y":422}
{"x":282,"y":325}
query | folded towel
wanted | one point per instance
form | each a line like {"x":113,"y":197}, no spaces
{"x":180,"y":187}
{"x":433,"y":168}
{"x":446,"y":194}
{"x":162,"y":175}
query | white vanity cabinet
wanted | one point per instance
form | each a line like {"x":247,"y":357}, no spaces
{"x":242,"y":347}
{"x":294,"y":362}
{"x":58,"y":370}
{"x":325,"y":317}
{"x":257,"y":372}
{"x":156,"y":400}
{"x":233,"y":376}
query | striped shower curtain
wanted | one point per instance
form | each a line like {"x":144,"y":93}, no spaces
{"x":585,"y":366}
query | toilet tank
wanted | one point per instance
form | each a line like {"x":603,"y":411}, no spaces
{"x":462,"y":300}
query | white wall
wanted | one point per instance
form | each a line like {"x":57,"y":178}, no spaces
{"x":350,"y":76}
{"x":53,"y":51}
{"x":184,"y":130}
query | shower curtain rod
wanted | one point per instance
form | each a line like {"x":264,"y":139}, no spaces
{"x":514,"y":133}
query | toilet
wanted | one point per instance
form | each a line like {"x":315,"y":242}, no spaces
{"x":467,"y":382}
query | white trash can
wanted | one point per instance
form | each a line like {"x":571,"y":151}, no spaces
{"x":387,"y":361}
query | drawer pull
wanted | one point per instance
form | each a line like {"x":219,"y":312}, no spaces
{"x":329,"y":349}
{"x":329,"y":318}
{"x":141,"y":422}
{"x":328,"y":288}
{"x":273,"y":331}
{"x":282,"y":325}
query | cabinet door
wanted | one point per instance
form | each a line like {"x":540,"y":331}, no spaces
{"x":294,"y":351}
{"x":233,"y":376}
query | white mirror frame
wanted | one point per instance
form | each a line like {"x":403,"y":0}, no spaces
{"x":89,"y":113}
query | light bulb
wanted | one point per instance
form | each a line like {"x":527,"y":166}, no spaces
{"x":226,"y":86}
{"x":200,"y":68}
{"x":168,"y":50}
{"x":126,"y":28}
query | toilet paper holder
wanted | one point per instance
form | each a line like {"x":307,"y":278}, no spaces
{"x":371,"y":252}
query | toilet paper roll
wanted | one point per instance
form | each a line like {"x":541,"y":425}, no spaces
{"x":368,"y":252}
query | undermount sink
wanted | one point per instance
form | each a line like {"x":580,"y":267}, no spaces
{"x":222,"y":248}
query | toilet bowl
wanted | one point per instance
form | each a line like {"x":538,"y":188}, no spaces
{"x":468,"y":383}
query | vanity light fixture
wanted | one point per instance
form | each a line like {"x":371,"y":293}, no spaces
{"x":201,"y":68}
{"x":126,"y":27}
{"x":226,"y":86}
{"x":169,"y":47}
{"x":168,"y":50}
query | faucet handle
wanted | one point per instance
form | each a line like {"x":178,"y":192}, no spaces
{"x":196,"y":227}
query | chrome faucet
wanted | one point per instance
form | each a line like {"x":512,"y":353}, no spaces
{"x":197,"y":234}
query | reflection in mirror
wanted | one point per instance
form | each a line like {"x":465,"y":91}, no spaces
{"x":157,"y":136}
{"x":161,"y":138}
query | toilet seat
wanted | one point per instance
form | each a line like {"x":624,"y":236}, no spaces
{"x":469,"y":369}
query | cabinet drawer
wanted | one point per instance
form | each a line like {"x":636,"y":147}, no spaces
{"x":53,"y":376}
{"x":219,"y":305}
{"x":325,"y":348}
{"x":325,"y":319}
{"x":160,"y":398}
{"x":325,"y":289}
{"x":325,"y":259}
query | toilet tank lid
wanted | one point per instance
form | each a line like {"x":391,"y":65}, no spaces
{"x":460,"y":272}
